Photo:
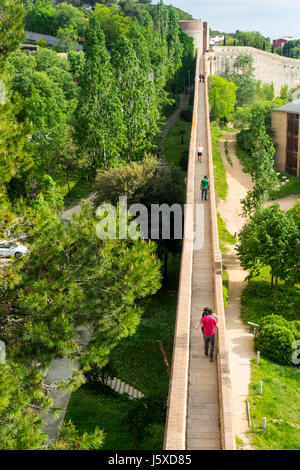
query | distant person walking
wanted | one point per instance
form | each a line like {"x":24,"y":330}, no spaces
{"x":204,"y":188}
{"x":208,"y":324}
{"x":200,"y":153}
{"x":200,"y":77}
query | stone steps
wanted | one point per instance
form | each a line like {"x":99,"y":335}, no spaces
{"x":121,"y":387}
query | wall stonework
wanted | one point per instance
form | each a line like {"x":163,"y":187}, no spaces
{"x":268,"y":67}
{"x":195,"y":29}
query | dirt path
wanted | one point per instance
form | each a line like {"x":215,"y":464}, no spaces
{"x":285,"y":203}
{"x":239,"y":183}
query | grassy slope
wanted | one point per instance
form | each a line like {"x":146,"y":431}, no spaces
{"x":281,"y":392}
{"x":279,"y":404}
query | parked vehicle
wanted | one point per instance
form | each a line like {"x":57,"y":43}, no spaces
{"x":10,"y":248}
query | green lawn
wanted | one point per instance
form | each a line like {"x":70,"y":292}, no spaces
{"x":293,"y":187}
{"x":173,"y":146}
{"x":225,"y":237}
{"x":257,"y":299}
{"x":88,"y":408}
{"x":280,"y":404}
{"x":221,"y":185}
{"x":281,"y":391}
{"x":137,"y":360}
{"x":78,"y":185}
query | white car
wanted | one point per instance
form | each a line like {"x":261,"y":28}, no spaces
{"x":9,"y":248}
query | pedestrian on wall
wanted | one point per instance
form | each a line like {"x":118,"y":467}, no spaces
{"x":208,"y":324}
{"x":204,"y":188}
{"x":200,"y":153}
{"x":200,"y":77}
{"x":204,"y":314}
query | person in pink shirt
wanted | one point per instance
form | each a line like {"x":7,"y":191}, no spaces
{"x":208,"y":324}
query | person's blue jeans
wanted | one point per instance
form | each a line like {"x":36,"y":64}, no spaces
{"x":204,"y":193}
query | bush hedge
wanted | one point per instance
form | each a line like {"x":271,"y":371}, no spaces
{"x":276,"y":337}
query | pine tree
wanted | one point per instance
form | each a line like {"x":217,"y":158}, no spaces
{"x":11,"y":28}
{"x":70,"y":278}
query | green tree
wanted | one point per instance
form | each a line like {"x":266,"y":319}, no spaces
{"x":222,"y":98}
{"x":114,"y":25}
{"x":243,"y":76}
{"x":270,"y":238}
{"x":67,"y":36}
{"x":21,"y":394}
{"x":295,"y":213}
{"x":39,"y":17}
{"x":13,"y":159}
{"x":144,"y":183}
{"x":71,"y":278}
{"x":138,"y":95}
{"x":260,"y":165}
{"x":11,"y":28}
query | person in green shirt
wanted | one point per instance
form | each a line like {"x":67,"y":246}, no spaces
{"x":204,"y":187}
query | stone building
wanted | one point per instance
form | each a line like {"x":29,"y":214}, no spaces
{"x":286,"y":127}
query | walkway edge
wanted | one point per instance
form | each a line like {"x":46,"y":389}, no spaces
{"x":175,"y":431}
{"x":224,"y":378}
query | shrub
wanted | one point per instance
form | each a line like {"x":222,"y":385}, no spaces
{"x":274,"y":341}
{"x":41,"y":43}
{"x":274,"y":320}
{"x":184,"y":160}
{"x":186,"y":115}
{"x":295,"y":328}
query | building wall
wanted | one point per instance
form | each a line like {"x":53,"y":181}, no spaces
{"x":194,"y":28}
{"x":268,"y":67}
{"x":279,"y":126}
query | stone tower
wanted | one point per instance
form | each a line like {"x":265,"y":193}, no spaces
{"x":199,"y":30}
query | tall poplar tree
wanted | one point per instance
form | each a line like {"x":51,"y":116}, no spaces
{"x":100,"y":126}
{"x":138,"y":95}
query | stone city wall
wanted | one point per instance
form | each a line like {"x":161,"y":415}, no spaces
{"x":268,"y":67}
{"x":175,"y":431}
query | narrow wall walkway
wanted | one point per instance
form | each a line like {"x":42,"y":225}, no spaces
{"x":203,"y":421}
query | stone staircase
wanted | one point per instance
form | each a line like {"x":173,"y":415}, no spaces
{"x":121,"y":387}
